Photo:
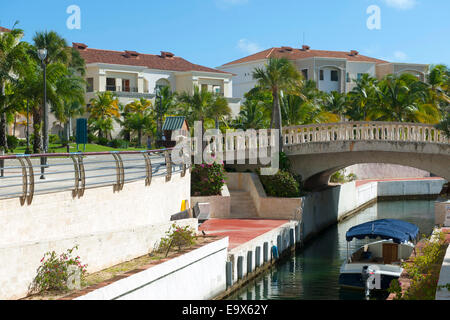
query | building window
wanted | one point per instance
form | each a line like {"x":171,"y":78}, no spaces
{"x":89,"y":84}
{"x":359,"y":76}
{"x":321,"y":74}
{"x":217,"y":89}
{"x":305,"y":74}
{"x":347,"y":77}
{"x":110,"y":84}
{"x":334,"y":75}
{"x":126,"y":85}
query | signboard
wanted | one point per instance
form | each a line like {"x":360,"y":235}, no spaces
{"x":82,"y":135}
{"x":447,"y":215}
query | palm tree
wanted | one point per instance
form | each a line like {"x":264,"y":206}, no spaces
{"x":165,"y":105}
{"x":62,"y":88}
{"x":202,"y":105}
{"x":336,"y":102}
{"x":277,"y":75}
{"x":438,"y":85}
{"x":252,"y":116}
{"x":102,"y":110}
{"x":404,"y":99}
{"x":362,"y":98}
{"x":57,"y":49}
{"x":444,"y":125}
{"x":13,"y":59}
{"x":138,"y":116}
{"x":69,"y":110}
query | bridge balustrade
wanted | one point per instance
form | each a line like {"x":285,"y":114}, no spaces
{"x":368,"y":131}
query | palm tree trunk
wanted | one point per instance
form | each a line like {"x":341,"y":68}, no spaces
{"x":3,"y":134}
{"x":139,"y":137}
{"x":277,"y":117}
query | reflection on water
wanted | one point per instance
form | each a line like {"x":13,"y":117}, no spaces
{"x":313,"y":273}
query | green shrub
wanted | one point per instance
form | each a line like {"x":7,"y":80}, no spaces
{"x":54,"y":139}
{"x":118,"y":144}
{"x":177,"y":237}
{"x":22,"y":142}
{"x":340,"y":177}
{"x":102,"y":141}
{"x":283,"y":184}
{"x":207,"y":179}
{"x":92,"y":138}
{"x":53,"y":272}
{"x":13,"y":142}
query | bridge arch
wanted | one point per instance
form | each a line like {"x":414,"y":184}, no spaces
{"x":318,"y":151}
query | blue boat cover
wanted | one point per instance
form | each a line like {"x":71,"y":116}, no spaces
{"x":398,"y":231}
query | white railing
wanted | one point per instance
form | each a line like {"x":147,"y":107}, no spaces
{"x":350,"y":131}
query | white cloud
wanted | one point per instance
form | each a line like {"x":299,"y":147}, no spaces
{"x":401,"y":4}
{"x":248,"y":46}
{"x":400,"y":56}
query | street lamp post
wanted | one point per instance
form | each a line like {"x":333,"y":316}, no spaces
{"x":42,"y":54}
{"x":27,"y":151}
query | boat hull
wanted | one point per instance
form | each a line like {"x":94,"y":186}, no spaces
{"x":355,"y":281}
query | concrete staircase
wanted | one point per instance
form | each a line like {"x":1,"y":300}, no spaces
{"x":242,"y":206}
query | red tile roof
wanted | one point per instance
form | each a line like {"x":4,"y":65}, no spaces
{"x":4,"y":29}
{"x":295,"y":54}
{"x":165,"y":61}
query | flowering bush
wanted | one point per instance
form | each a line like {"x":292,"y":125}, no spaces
{"x":207,"y":179}
{"x":423,"y":271}
{"x":177,"y":237}
{"x":53,"y":272}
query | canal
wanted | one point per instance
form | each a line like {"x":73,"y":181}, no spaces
{"x":313,"y":272}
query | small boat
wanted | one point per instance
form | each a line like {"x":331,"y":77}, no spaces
{"x":375,"y":265}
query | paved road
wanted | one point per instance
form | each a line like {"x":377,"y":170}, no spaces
{"x":60,"y":173}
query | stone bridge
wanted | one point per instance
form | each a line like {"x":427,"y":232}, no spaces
{"x":317,"y":151}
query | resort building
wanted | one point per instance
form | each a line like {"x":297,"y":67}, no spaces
{"x":3,"y":30}
{"x":331,"y":70}
{"x":132,"y":75}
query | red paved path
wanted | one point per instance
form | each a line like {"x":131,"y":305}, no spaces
{"x":362,"y":182}
{"x":239,"y":231}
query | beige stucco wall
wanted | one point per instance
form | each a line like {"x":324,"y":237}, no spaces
{"x":266,"y":207}
{"x":220,"y":205}
{"x":109,"y":227}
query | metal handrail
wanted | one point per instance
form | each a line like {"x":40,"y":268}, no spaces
{"x":58,"y":177}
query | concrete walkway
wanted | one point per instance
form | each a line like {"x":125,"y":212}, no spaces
{"x":240,"y":231}
{"x":444,"y":276}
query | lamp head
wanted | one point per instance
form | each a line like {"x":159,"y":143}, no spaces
{"x":42,"y":54}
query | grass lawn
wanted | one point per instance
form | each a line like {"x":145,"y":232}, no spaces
{"x":57,"y":148}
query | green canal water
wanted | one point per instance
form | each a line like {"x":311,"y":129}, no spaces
{"x":313,"y":273}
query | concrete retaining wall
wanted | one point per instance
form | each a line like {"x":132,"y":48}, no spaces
{"x":102,"y":223}
{"x":322,"y":209}
{"x":266,"y":207}
{"x":240,"y":255}
{"x":220,"y":205}
{"x":410,"y":188}
{"x":366,"y":171}
{"x":196,"y":275}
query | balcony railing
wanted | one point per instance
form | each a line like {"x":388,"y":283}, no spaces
{"x":122,"y":89}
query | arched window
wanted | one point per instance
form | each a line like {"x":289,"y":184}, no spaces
{"x":162,"y":83}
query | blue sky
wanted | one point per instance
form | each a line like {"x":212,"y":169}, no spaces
{"x":214,"y":32}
